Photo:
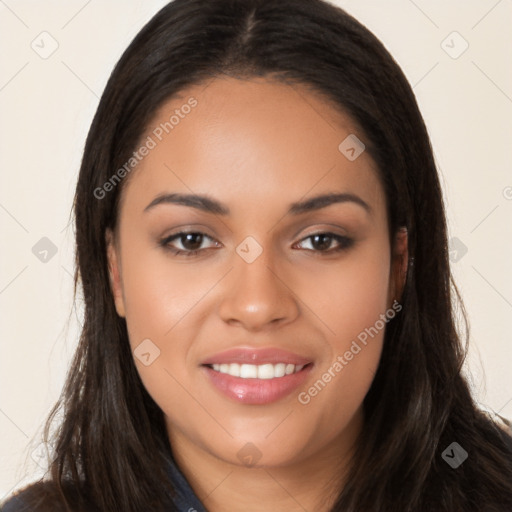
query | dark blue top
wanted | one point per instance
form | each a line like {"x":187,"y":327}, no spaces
{"x":185,"y":500}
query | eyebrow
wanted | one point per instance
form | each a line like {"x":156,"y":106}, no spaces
{"x":209,"y":205}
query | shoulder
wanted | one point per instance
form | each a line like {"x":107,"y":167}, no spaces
{"x":22,"y":499}
{"x":505,"y":427}
{"x":14,"y":504}
{"x":41,"y":496}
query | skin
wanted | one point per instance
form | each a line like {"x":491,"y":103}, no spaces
{"x":256,"y":146}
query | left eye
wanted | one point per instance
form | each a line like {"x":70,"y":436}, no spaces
{"x":322,"y":242}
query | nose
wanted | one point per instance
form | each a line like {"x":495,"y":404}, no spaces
{"x":257,"y":297}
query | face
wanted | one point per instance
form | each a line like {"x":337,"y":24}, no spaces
{"x":253,"y":266}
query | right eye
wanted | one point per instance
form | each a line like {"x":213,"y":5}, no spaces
{"x":191,"y":243}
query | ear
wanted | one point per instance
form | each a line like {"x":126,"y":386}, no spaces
{"x":399,"y":264}
{"x":114,"y":270}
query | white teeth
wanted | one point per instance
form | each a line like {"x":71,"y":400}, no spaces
{"x":248,"y":371}
{"x":279,"y":370}
{"x":234,"y":369}
{"x":262,"y":371}
{"x":266,"y":371}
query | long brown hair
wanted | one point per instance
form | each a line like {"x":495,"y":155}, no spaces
{"x":110,"y":447}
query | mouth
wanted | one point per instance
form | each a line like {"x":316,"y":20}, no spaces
{"x":256,"y":377}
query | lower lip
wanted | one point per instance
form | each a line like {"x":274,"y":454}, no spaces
{"x":257,"y":391}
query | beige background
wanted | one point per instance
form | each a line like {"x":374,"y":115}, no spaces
{"x":46,"y":107}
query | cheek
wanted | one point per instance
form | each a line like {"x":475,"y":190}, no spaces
{"x":163,"y":303}
{"x":350,"y":296}
{"x":158,"y":294}
{"x":160,"y":302}
{"x":352,"y":304}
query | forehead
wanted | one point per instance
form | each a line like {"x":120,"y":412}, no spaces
{"x":251,"y":138}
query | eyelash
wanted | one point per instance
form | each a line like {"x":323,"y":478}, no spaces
{"x":343,"y":241}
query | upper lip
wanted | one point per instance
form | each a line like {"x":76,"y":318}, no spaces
{"x":256,"y":356}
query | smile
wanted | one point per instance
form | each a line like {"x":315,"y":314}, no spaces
{"x":253,"y":371}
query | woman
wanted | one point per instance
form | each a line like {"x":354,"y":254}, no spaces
{"x":301,"y":355}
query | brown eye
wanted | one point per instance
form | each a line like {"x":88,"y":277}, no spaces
{"x":191,"y":241}
{"x":322,"y":243}
{"x":187,"y":243}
